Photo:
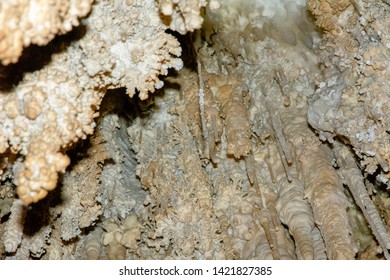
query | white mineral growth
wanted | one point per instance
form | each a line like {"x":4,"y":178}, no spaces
{"x":55,"y":106}
{"x":36,"y":22}
{"x":227,"y":162}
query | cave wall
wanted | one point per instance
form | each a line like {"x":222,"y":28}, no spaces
{"x":268,"y":140}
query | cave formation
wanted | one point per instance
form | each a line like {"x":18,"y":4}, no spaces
{"x":193,"y":129}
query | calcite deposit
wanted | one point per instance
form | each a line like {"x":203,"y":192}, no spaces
{"x":25,"y":22}
{"x":194,"y":129}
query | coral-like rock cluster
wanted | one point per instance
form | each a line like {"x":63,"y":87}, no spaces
{"x":25,"y":22}
{"x":352,"y":98}
{"x":54,"y":107}
{"x":182,"y":15}
{"x":271,"y":143}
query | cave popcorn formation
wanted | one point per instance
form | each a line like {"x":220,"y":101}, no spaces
{"x":271,"y":142}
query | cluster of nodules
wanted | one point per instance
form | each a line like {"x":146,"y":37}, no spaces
{"x":235,"y":163}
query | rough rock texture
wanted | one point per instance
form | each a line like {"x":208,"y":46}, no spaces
{"x":25,"y":22}
{"x":270,"y":143}
{"x":352,"y":98}
{"x":55,"y":106}
{"x":183,"y":15}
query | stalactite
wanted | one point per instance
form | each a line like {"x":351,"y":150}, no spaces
{"x":325,"y":194}
{"x":13,"y":233}
{"x":245,"y":151}
{"x":296,"y":213}
{"x":354,"y":180}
